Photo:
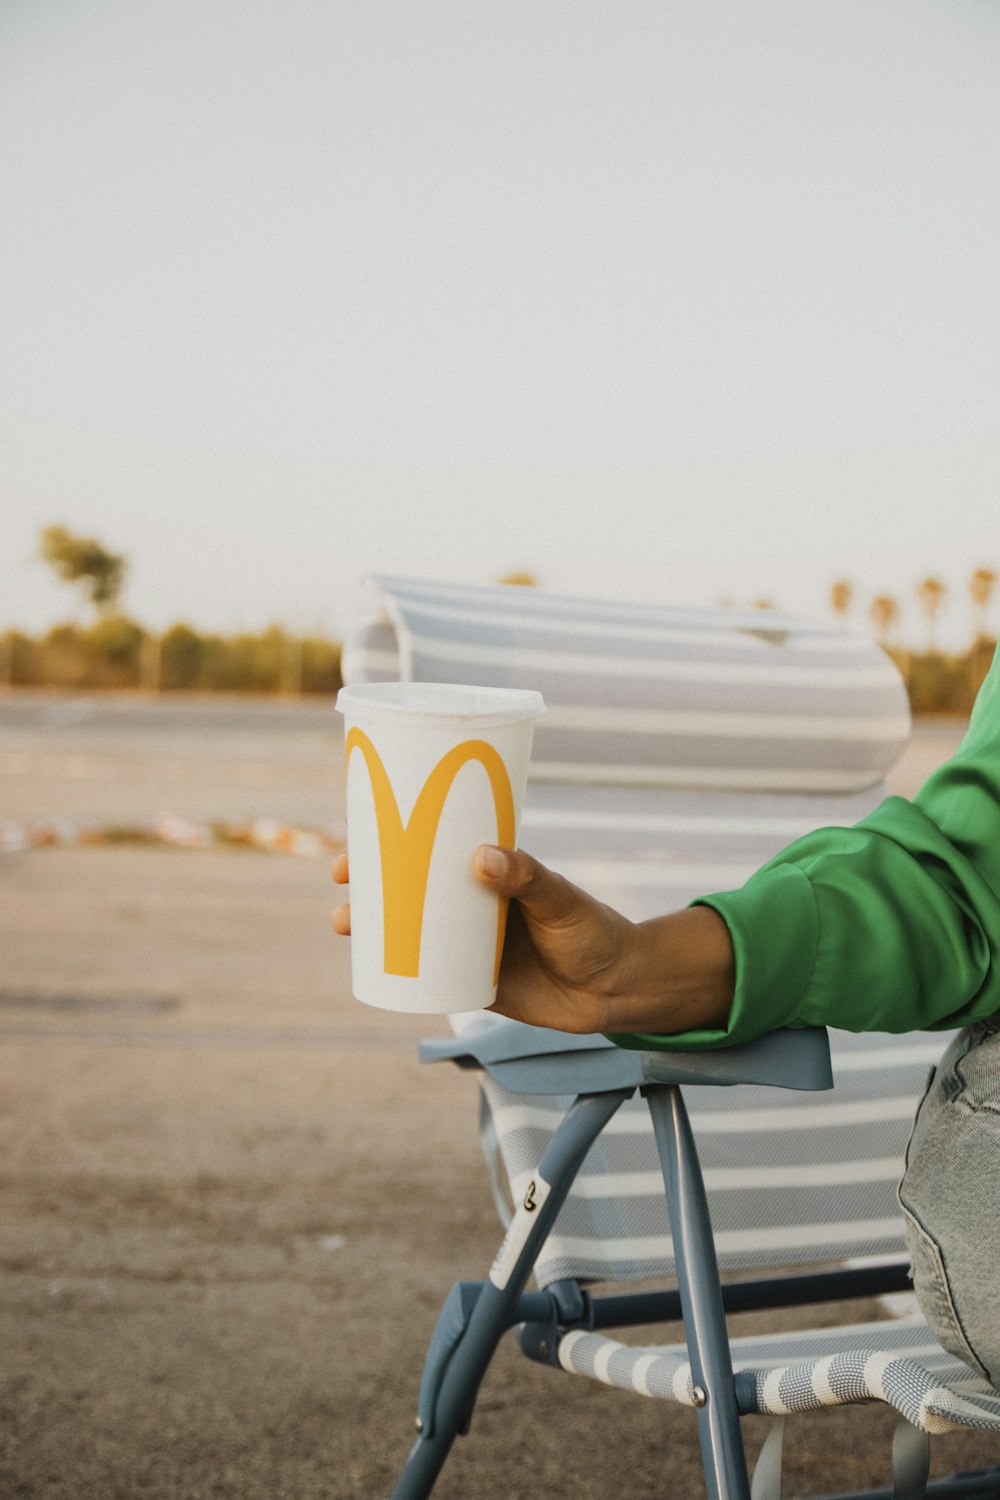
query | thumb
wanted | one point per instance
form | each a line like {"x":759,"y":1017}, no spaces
{"x":544,"y":895}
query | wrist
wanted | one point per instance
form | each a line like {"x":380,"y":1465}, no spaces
{"x":679,"y":975}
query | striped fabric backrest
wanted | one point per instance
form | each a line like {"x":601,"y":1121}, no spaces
{"x":792,"y":1178}
{"x":645,"y":696}
{"x":682,"y":749}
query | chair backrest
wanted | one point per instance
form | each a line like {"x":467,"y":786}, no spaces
{"x":717,"y":699}
{"x":680,"y":750}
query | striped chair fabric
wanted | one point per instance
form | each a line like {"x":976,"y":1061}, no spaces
{"x":680,"y":750}
{"x":678,"y":765}
{"x":642,"y":696}
{"x":791,"y":1178}
{"x":900,"y":1363}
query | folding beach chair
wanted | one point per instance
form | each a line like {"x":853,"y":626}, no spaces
{"x":681,"y":749}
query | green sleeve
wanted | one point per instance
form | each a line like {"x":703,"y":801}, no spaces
{"x":892,"y":925}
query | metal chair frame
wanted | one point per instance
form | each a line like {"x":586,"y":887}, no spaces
{"x":476,"y":1315}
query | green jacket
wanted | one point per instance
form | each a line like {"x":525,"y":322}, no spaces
{"x":892,"y":925}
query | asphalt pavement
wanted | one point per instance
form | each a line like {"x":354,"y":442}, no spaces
{"x":232,"y":1200}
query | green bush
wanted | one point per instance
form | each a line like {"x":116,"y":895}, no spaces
{"x":937,"y":685}
{"x":940,"y":684}
{"x":116,"y":652}
{"x":112,"y":649}
{"x":320,"y":666}
{"x":61,"y":661}
{"x":183,"y":653}
{"x":18,"y":659}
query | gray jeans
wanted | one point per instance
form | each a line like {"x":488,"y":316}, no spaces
{"x":950,"y":1197}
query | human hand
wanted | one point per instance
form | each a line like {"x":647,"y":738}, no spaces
{"x":341,"y":919}
{"x":564,"y":951}
{"x":573,"y":964}
{"x":562,"y":948}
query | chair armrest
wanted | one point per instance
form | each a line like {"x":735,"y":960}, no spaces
{"x":787,"y":1059}
{"x":534,"y":1060}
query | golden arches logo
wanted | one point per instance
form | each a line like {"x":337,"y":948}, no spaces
{"x":406,"y":849}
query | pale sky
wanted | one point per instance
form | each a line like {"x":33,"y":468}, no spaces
{"x":677,"y":299}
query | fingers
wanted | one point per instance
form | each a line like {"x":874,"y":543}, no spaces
{"x":509,"y":872}
{"x":543,"y":894}
{"x":341,"y":919}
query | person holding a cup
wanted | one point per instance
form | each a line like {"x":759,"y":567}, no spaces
{"x":891,"y":925}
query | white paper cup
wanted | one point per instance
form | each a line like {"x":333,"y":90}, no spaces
{"x":433,"y":770}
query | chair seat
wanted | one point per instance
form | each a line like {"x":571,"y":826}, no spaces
{"x":900,"y":1363}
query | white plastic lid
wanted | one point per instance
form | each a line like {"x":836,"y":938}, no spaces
{"x":442,"y":700}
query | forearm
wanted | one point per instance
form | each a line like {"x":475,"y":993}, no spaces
{"x":883,"y":927}
{"x":680,"y":975}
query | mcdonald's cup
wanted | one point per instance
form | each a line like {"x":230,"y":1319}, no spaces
{"x":433,"y":770}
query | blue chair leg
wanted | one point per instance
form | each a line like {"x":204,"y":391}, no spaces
{"x":463,"y":1354}
{"x":723,"y":1458}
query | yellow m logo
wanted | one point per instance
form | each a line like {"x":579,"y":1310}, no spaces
{"x":406,"y":848}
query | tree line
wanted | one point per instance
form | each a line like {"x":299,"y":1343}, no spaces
{"x":885,"y":610}
{"x":115,"y":651}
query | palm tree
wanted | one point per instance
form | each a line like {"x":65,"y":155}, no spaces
{"x":930,"y":594}
{"x":85,"y":561}
{"x":981,"y":586}
{"x":884,"y":614}
{"x":841,"y":596}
